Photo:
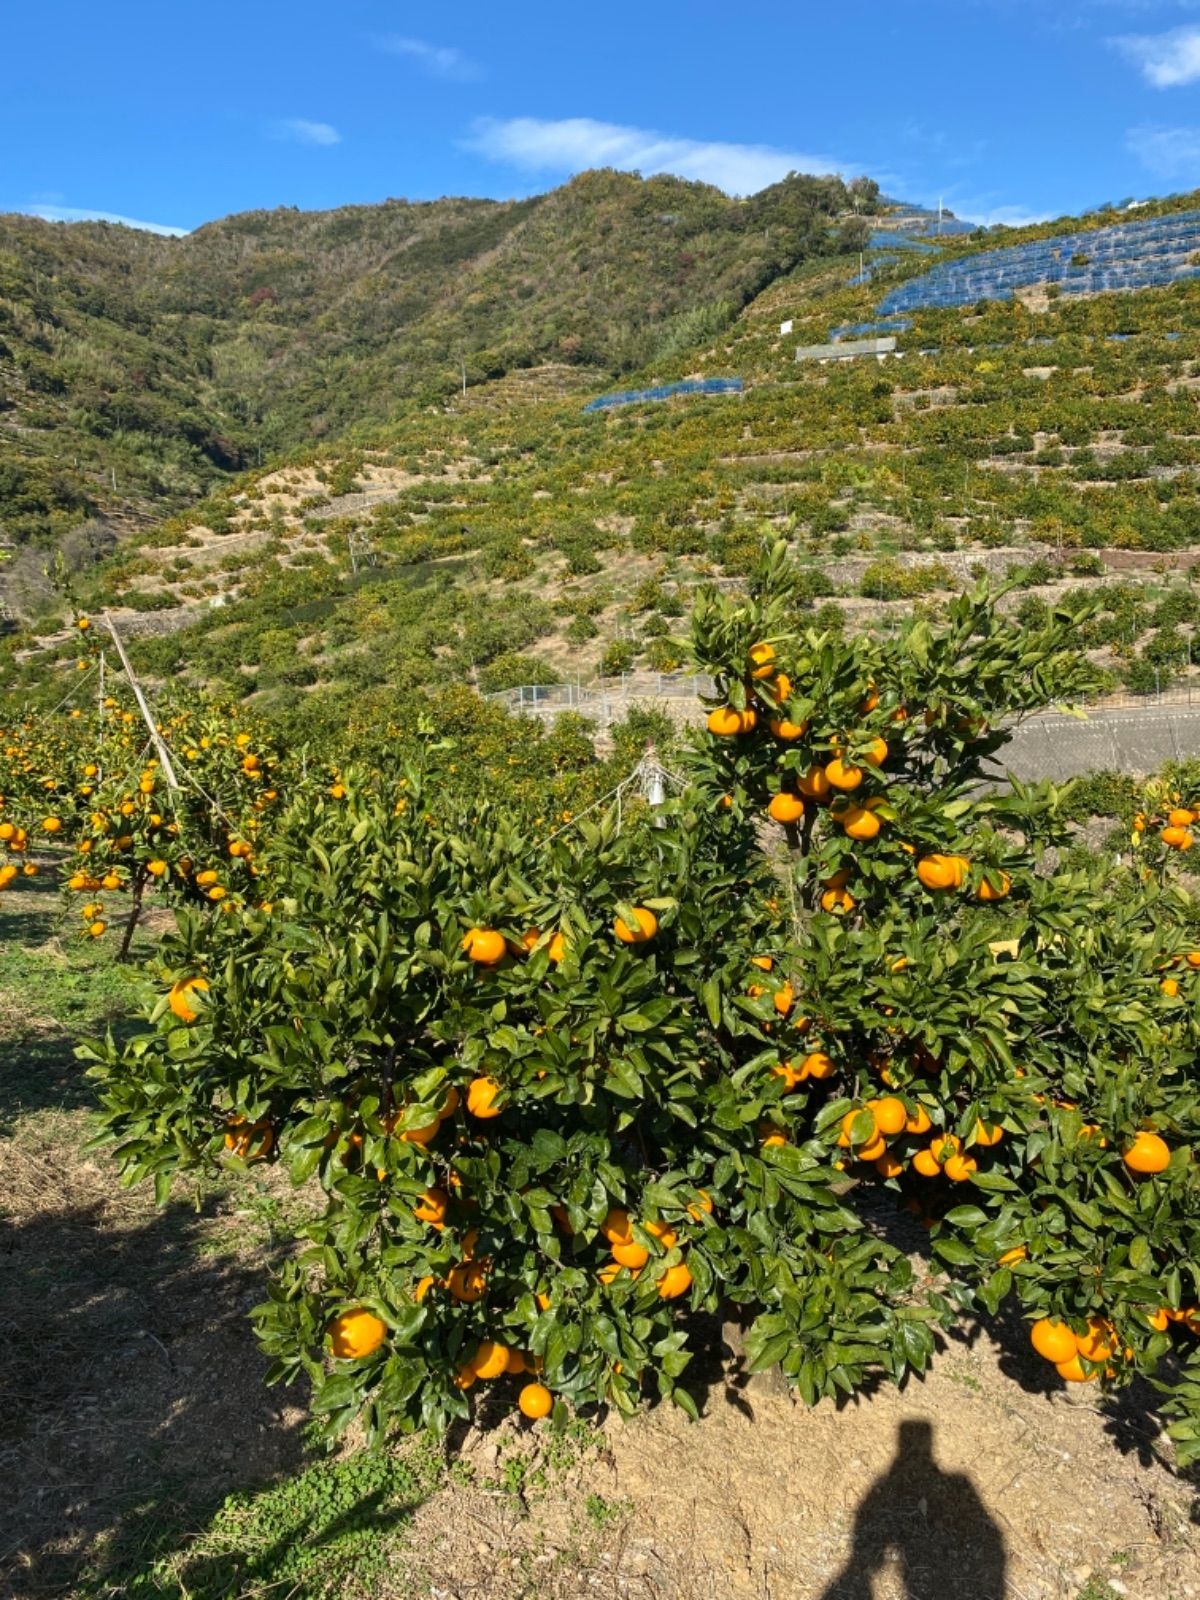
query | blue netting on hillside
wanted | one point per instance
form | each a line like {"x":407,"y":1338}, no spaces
{"x":666,"y":391}
{"x":1130,"y":255}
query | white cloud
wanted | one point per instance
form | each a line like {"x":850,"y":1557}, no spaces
{"x":1001,"y":216}
{"x":438,"y":60}
{"x":301,"y":131}
{"x":574,"y":144}
{"x":1166,"y":152}
{"x":75,"y":214}
{"x":1166,"y":60}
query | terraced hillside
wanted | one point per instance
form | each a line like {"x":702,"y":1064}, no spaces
{"x":508,"y":537}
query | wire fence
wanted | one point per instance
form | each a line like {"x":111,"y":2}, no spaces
{"x":543,"y":700}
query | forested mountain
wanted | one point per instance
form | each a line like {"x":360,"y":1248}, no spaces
{"x":137,"y":371}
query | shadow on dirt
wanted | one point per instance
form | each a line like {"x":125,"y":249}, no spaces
{"x":928,"y":1527}
{"x":131,"y":1389}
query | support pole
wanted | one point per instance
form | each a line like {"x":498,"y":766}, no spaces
{"x":156,"y":738}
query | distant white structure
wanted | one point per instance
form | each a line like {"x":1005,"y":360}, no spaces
{"x":848,"y":349}
{"x":785,"y":327}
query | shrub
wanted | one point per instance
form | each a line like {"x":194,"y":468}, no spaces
{"x":504,"y":1055}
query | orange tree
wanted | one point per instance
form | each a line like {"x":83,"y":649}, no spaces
{"x":1008,"y":1037}
{"x":91,"y":787}
{"x":558,"y":1094}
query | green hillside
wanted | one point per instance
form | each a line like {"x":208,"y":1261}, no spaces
{"x":136,"y":371}
{"x":508,"y":537}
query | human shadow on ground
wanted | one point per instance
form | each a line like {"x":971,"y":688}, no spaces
{"x":928,"y":1526}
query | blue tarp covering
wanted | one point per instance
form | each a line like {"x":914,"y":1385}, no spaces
{"x":666,"y":391}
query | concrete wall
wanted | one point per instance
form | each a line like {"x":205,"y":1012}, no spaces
{"x":1137,"y":741}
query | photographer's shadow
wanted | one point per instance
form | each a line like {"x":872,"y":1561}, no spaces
{"x":927,"y":1526}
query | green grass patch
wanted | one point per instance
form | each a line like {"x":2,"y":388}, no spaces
{"x":304,"y":1538}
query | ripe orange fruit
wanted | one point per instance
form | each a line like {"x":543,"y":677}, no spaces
{"x":632,"y":1254}
{"x":859,"y":822}
{"x":557,"y":948}
{"x":817,"y":1065}
{"x":842,"y":774}
{"x":702,"y":1207}
{"x":1181,"y":818}
{"x":785,"y":807}
{"x":763,"y":963}
{"x":1178,"y":838}
{"x":889,"y":1165}
{"x":918,"y":1121}
{"x":663,"y":1232}
{"x":762,"y":660}
{"x":1099,"y":1343}
{"x":1072,"y":1370}
{"x":988,"y":1133}
{"x":616,"y":1227}
{"x":727,"y":721}
{"x":926,"y":1163}
{"x":431,"y":1207}
{"x":423,"y":1135}
{"x":481,"y":1094}
{"x":484,"y":946}
{"x":52,"y":824}
{"x":490,"y":1360}
{"x":960,"y":1168}
{"x":876,"y":751}
{"x":355,"y":1334}
{"x":1170,"y":987}
{"x":813,"y":784}
{"x":467,"y":1281}
{"x":156,"y":868}
{"x":941,"y":871}
{"x":675,"y":1281}
{"x":251,"y":1141}
{"x":986,"y":891}
{"x":837,"y":901}
{"x":1159,"y":1320}
{"x":846,"y":1136}
{"x":1148,"y":1153}
{"x":647,"y":927}
{"x":181,"y":995}
{"x":1053,"y":1340}
{"x":890,"y":1114}
{"x":784,"y":999}
{"x":1019,"y":1252}
{"x":787,"y":730}
{"x":535,"y":1401}
{"x":516,"y":1363}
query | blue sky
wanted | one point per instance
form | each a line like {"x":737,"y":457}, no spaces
{"x":174,"y":113}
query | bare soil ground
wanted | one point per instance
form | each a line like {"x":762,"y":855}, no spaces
{"x":132,"y":1404}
